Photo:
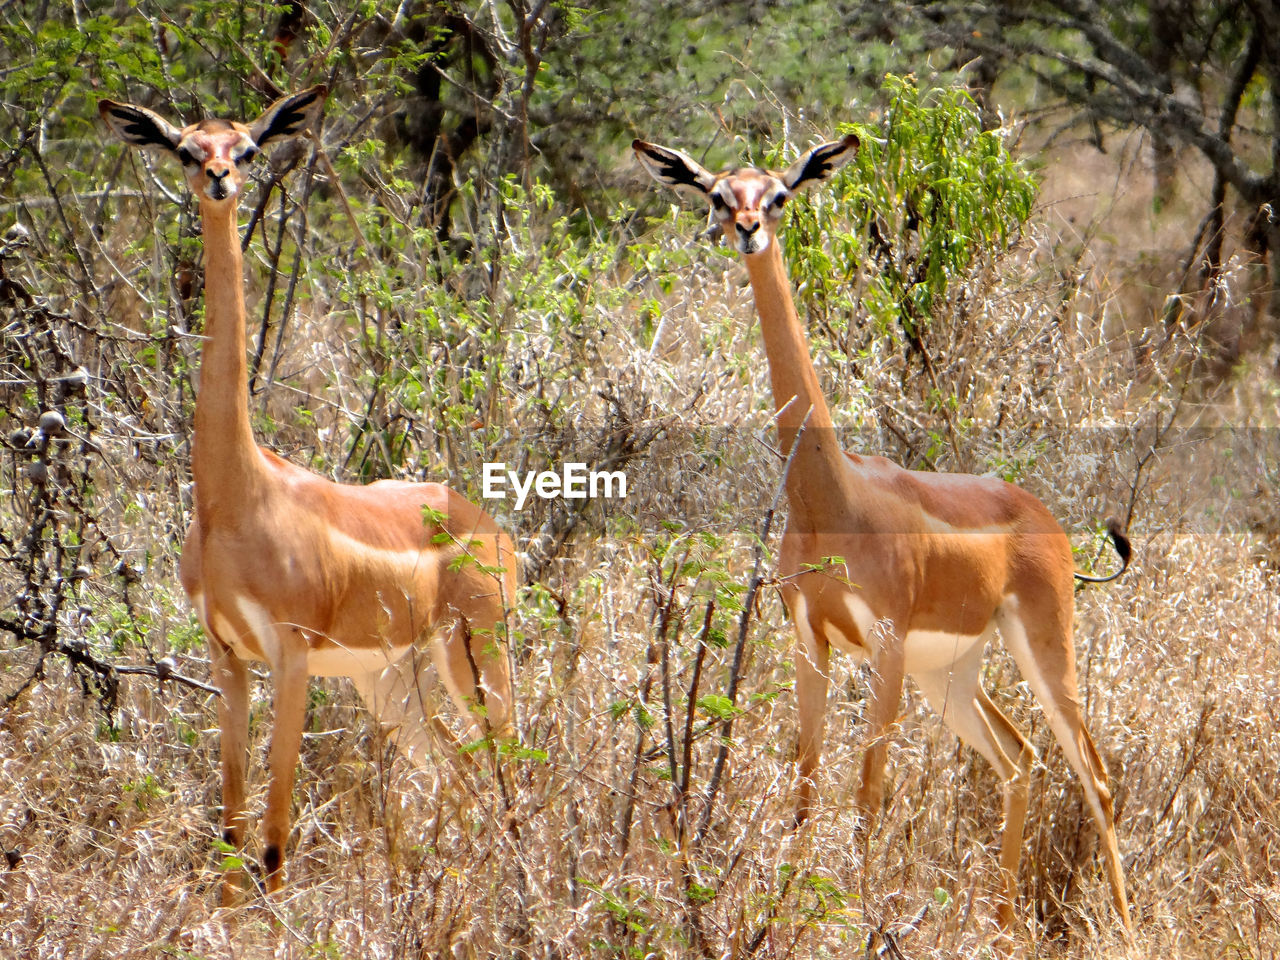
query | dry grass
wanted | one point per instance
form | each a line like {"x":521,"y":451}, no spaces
{"x":582,"y":850}
{"x":1179,"y":664}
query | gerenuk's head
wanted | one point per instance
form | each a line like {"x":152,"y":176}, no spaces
{"x":215,"y":154}
{"x":748,"y":202}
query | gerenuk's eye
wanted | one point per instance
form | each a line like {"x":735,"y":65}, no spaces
{"x":248,"y":155}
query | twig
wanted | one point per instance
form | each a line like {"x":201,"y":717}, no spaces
{"x":1140,"y":466}
{"x":295,"y":271}
{"x":744,"y":623}
{"x":682,"y":795}
{"x":890,"y":947}
{"x":664,"y":649}
{"x":335,"y":184}
{"x":78,"y":654}
{"x":269,"y":298}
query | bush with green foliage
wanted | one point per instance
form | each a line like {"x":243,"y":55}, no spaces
{"x":930,"y":197}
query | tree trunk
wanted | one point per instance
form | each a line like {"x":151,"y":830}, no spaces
{"x":1166,"y":35}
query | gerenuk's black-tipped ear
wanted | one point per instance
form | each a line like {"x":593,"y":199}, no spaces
{"x":673,"y":168}
{"x":138,"y":126}
{"x":820,"y":162}
{"x":289,"y":116}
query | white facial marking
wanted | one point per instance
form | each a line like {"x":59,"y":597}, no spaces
{"x":212,"y":158}
{"x":747,"y":190}
{"x":191,"y":153}
{"x":754,"y":243}
{"x":774,"y":201}
{"x":751,"y":191}
{"x":723,"y":201}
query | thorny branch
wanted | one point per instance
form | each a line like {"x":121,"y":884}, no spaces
{"x":52,"y":485}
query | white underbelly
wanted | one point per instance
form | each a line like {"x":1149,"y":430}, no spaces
{"x":328,"y":659}
{"x":923,"y":650}
{"x":335,"y":661}
{"x":928,"y":650}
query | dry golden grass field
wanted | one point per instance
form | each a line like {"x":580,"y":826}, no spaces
{"x":604,"y":832}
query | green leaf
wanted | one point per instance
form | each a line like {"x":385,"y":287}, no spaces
{"x":718,"y":706}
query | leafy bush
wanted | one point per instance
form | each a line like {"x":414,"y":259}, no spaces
{"x":929,"y":198}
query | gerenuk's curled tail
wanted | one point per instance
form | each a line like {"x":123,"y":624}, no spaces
{"x":1123,"y":548}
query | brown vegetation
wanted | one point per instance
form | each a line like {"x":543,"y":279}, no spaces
{"x":608,"y":833}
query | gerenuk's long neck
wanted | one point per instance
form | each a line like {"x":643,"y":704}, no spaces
{"x":820,"y":484}
{"x":226,"y":463}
